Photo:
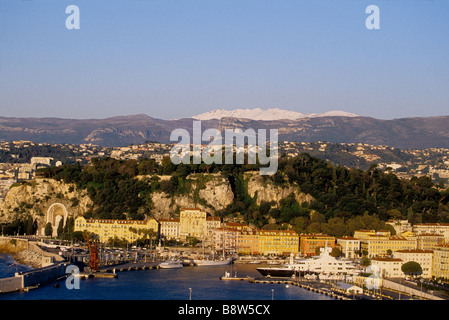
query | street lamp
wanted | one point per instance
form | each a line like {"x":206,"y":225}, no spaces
{"x":272,"y":294}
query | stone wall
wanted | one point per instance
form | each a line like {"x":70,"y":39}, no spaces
{"x":43,"y":275}
{"x":32,"y":278}
{"x":10,"y":284}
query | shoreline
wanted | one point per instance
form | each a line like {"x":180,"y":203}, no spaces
{"x":21,"y":253}
{"x":23,"y":258}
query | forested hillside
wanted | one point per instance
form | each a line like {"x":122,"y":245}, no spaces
{"x":343,"y":199}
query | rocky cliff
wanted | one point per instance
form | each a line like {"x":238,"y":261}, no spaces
{"x":209,"y":192}
{"x":35,"y":197}
{"x":262,"y":190}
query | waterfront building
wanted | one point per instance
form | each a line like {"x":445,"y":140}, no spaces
{"x":267,"y":242}
{"x":225,"y":238}
{"x":440,"y":266}
{"x":105,"y":229}
{"x":196,"y":223}
{"x":278,"y":242}
{"x":379,"y":245}
{"x":248,"y":241}
{"x":212,"y":223}
{"x":349,"y":246}
{"x":170,"y":229}
{"x":388,"y":267}
{"x":192,"y":223}
{"x":433,"y":228}
{"x":423,"y":257}
{"x":310,"y":242}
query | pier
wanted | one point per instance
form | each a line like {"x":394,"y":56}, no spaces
{"x":317,"y":287}
{"x":129,"y":266}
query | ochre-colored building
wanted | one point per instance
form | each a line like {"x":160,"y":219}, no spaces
{"x":196,"y":223}
{"x":278,"y":242}
{"x":310,"y":242}
{"x":248,"y":241}
{"x":440,"y":265}
{"x":107,"y":229}
{"x":267,"y":242}
{"x":378,"y":246}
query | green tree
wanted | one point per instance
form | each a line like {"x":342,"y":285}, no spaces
{"x":411,"y":268}
{"x":192,"y":241}
{"x":264,"y":208}
{"x":336,"y":252}
{"x":365,"y":262}
{"x":29,"y":226}
{"x":48,"y":229}
{"x":60,"y":227}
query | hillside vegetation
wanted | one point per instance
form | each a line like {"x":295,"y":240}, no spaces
{"x":341,"y":201}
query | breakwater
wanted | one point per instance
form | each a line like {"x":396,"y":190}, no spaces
{"x":27,"y":252}
{"x":24,"y":281}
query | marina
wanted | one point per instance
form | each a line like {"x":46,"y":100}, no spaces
{"x":150,"y":281}
{"x":246,"y":277}
{"x":174,"y":284}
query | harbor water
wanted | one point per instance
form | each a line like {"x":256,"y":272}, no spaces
{"x":195,"y":283}
{"x":8,"y":267}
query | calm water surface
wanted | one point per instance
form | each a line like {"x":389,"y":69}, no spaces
{"x":164,"y":284}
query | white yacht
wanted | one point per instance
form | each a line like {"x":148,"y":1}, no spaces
{"x":324,"y":266}
{"x":210,"y":262}
{"x":171,"y":264}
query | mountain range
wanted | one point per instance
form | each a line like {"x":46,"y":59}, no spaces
{"x":336,"y":127}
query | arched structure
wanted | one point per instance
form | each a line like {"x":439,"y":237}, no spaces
{"x":55,"y":214}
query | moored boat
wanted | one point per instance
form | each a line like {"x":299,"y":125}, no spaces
{"x":171,"y":264}
{"x":209,"y":262}
{"x":324,"y":266}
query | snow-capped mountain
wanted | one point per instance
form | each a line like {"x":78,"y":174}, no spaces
{"x":266,"y":115}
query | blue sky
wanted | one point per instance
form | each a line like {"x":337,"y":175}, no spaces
{"x":176,"y":58}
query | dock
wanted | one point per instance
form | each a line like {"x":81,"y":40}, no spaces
{"x":236,"y":278}
{"x":129,"y":266}
{"x":104,"y":275}
{"x":300,"y":284}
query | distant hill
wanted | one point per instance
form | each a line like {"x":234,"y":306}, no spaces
{"x":425,"y":132}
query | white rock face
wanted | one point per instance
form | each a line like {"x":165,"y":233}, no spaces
{"x":269,"y":192}
{"x":209,"y":192}
{"x":216,"y":194}
{"x":35,"y":197}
